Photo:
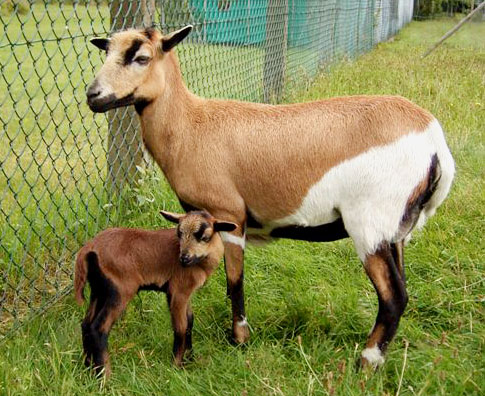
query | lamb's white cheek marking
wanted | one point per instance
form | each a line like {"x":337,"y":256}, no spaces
{"x":373,"y":356}
{"x":230,"y":238}
{"x":369,"y":191}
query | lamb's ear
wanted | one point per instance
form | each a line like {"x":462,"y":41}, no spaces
{"x":172,"y":39}
{"x":101,"y":43}
{"x":220,"y":225}
{"x":173,"y":217}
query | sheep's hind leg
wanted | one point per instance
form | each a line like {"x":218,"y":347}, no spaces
{"x":397,"y":250}
{"x":388,"y":281}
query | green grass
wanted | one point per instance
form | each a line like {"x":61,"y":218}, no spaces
{"x":310,"y":306}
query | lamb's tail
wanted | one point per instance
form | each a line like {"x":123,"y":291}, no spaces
{"x":84,"y":257}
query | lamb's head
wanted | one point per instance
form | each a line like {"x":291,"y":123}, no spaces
{"x":135,"y":68}
{"x":198,"y":234}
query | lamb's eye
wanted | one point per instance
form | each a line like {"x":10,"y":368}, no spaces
{"x":205,"y":238}
{"x":199,"y":234}
{"x":142,"y":60}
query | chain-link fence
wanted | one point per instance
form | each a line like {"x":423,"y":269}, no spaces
{"x":60,"y":163}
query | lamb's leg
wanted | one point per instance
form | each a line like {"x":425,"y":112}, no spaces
{"x":178,"y":311}
{"x":87,"y":337}
{"x":99,"y":330}
{"x":391,"y":292}
{"x":190,"y":324}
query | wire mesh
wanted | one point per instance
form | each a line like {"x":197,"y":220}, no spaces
{"x":59,"y":161}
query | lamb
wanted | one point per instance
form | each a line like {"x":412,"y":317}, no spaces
{"x":119,"y":262}
{"x":371,"y":168}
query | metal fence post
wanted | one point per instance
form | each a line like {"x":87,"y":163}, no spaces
{"x":373,"y":23}
{"x":275,"y":50}
{"x":125,"y":147}
{"x":358,"y":37}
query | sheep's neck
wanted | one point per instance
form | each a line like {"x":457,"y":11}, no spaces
{"x":168,"y":122}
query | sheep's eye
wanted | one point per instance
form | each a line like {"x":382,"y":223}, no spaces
{"x":142,"y":60}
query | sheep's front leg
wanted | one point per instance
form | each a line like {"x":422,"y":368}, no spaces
{"x":234,"y":244}
{"x":180,"y":323}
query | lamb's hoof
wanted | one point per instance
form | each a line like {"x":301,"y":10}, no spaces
{"x":189,"y":356}
{"x":102,"y":371}
{"x":178,"y":363}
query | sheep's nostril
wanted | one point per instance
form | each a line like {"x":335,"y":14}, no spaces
{"x":93,"y":92}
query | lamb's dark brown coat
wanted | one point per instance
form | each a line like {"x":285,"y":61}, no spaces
{"x":119,"y":262}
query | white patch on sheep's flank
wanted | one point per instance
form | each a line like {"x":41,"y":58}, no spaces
{"x":371,"y":190}
{"x":230,"y":238}
{"x":373,"y":356}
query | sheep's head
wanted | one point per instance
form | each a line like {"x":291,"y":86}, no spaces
{"x":198,"y":233}
{"x":133,"y":72}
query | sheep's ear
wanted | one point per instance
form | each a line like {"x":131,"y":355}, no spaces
{"x":173,"y":217}
{"x":172,"y":39}
{"x":101,"y":43}
{"x":220,"y":225}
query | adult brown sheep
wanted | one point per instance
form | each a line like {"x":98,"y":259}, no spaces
{"x":368,"y":167}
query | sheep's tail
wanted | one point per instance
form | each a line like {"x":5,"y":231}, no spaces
{"x":443,"y":175}
{"x":84,"y":257}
